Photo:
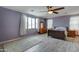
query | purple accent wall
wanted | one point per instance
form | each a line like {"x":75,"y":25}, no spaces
{"x":61,"y":21}
{"x":9,"y":24}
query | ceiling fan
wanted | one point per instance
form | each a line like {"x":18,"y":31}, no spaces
{"x":51,"y":10}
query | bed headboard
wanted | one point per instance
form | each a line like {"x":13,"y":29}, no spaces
{"x":67,"y":28}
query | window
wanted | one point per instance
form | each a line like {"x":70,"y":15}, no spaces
{"x":37,"y":23}
{"x":29,"y":23}
{"x":49,"y":23}
{"x":74,"y":23}
{"x":33,"y":23}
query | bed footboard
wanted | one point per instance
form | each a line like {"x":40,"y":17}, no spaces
{"x":57,"y":34}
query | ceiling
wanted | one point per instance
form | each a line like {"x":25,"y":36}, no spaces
{"x":35,"y":10}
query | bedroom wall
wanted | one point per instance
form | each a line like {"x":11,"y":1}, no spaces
{"x":9,"y":24}
{"x":61,"y":21}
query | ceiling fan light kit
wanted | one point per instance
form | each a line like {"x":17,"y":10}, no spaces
{"x":50,"y":12}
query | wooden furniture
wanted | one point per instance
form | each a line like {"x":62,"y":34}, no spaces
{"x":71,"y":33}
{"x":57,"y":34}
{"x":42,"y":28}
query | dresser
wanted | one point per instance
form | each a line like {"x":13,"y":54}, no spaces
{"x":71,"y":33}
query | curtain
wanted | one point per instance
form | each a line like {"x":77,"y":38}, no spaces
{"x":22,"y":25}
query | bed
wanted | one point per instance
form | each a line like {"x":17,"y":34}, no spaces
{"x":58,"y":32}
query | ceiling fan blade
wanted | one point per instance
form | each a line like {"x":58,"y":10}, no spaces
{"x":59,"y":8}
{"x":55,"y":12}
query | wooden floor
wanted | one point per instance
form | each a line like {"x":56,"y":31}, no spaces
{"x":24,"y":43}
{"x":42,"y":43}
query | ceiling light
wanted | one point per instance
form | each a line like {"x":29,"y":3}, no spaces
{"x":50,"y":12}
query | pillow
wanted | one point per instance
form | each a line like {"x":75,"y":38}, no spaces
{"x":60,"y":28}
